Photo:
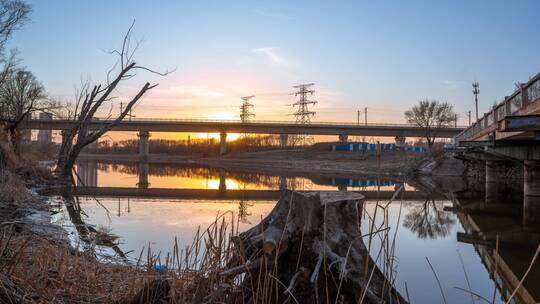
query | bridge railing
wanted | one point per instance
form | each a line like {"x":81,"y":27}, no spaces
{"x":523,"y":97}
{"x":253,"y":122}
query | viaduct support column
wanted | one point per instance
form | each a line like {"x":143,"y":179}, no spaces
{"x":531,"y":193}
{"x":498,"y":186}
{"x":143,"y":175}
{"x":283,"y":140}
{"x":343,"y":138}
{"x":45,"y":136}
{"x":87,"y":172}
{"x":144,"y":149}
{"x":64,"y":134}
{"x":282,"y":183}
{"x":400,"y":141}
{"x":493,"y":180}
{"x":342,"y":187}
{"x":222,"y":180}
{"x":222,"y":143}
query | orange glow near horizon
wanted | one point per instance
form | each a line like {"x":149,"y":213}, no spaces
{"x":230,"y":136}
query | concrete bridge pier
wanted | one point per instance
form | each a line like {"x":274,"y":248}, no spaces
{"x":63,"y":133}
{"x":222,"y":180}
{"x":87,"y":172}
{"x":222,"y":143}
{"x":26,"y":135}
{"x":45,"y":135}
{"x":143,"y":175}
{"x":531,"y":193}
{"x":400,"y":141}
{"x":343,"y":138}
{"x":283,"y":140}
{"x":282,"y":183}
{"x":494,"y":179}
{"x":144,"y":148}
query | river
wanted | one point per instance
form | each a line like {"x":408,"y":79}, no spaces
{"x":152,"y":205}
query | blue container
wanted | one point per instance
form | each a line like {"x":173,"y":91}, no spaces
{"x":342,"y":147}
{"x":341,"y":181}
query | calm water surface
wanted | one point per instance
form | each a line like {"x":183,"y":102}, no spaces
{"x":422,"y":227}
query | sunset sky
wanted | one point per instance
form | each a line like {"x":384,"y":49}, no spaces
{"x":384,"y":55}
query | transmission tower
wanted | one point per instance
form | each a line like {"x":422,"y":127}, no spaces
{"x":303,"y":114}
{"x":245,"y":109}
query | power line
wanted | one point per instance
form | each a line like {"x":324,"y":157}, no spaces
{"x":245,"y":109}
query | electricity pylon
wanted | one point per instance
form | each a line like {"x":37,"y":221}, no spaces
{"x":303,"y":114}
{"x":245,"y":109}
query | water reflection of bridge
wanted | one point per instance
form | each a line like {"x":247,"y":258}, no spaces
{"x":484,"y":224}
{"x":217,"y":194}
{"x":88,"y":177}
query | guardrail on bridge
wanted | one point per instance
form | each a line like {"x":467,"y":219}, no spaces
{"x":517,"y":103}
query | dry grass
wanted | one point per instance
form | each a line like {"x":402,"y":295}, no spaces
{"x":34,"y":269}
{"x":12,"y":188}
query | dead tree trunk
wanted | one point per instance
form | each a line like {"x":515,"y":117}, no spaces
{"x":91,"y":101}
{"x":309,"y":249}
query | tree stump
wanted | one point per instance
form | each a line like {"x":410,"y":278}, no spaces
{"x":309,"y":249}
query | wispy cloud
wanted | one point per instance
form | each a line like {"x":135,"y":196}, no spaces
{"x":271,"y":53}
{"x":452,"y":84}
{"x":272,"y":14}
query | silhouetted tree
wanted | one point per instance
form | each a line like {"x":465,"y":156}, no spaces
{"x":90,"y":99}
{"x":431,"y":115}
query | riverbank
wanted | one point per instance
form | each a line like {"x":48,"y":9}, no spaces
{"x":37,"y":262}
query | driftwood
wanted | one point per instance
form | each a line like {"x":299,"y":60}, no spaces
{"x":309,"y":249}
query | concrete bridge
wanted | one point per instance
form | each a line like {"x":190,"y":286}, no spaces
{"x":508,"y":134}
{"x":283,"y":128}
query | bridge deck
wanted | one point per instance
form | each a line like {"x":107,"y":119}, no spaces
{"x":256,"y":127}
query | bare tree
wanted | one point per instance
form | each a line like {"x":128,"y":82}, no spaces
{"x":91,"y":99}
{"x":431,"y":115}
{"x":21,"y":94}
{"x":428,"y":220}
{"x":13,"y":15}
